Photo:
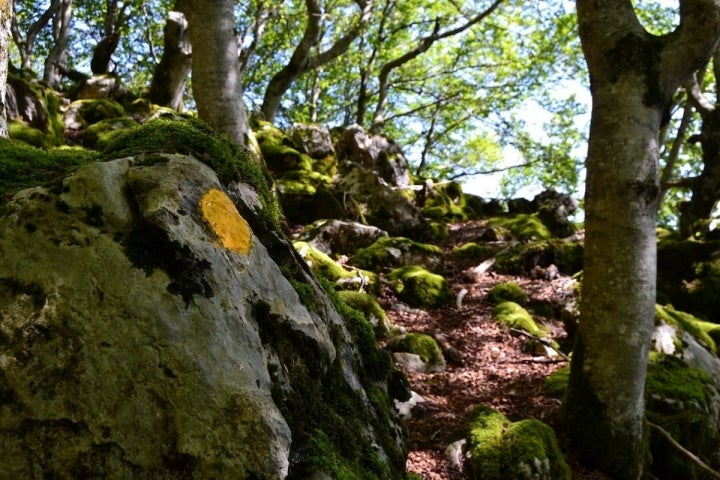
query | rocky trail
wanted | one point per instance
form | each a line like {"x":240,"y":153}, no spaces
{"x":493,"y":367}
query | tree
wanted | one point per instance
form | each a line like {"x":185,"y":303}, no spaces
{"x":302,"y":61}
{"x":633,"y":77}
{"x":168,"y":82}
{"x":6,"y":14}
{"x":216,"y":81}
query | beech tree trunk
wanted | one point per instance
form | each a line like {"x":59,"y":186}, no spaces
{"x":6,"y":13}
{"x":216,"y":79}
{"x":168,"y":83}
{"x":57,"y":58}
{"x":633,"y":76}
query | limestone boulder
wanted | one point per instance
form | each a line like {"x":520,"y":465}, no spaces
{"x":374,"y":201}
{"x":148,"y":331}
{"x":311,"y":139}
{"x":374,"y":152}
{"x":341,"y":237}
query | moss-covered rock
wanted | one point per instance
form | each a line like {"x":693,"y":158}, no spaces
{"x":445,"y":202}
{"x":191,"y":136}
{"x":499,"y":449}
{"x":419,"y":287}
{"x":513,"y":315}
{"x":524,"y":227}
{"x":507,"y":292}
{"x":521,"y":259}
{"x":370,"y":308}
{"x":682,"y":401}
{"x":422,"y":345}
{"x":95,"y":110}
{"x":32,"y":136}
{"x":391,"y":252}
{"x":99,"y":135}
{"x":323,"y":266}
{"x":23,"y":166}
{"x":471,"y":250}
{"x":707,"y":333}
{"x":689,"y":276}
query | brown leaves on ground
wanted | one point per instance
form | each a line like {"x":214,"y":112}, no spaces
{"x":495,"y":371}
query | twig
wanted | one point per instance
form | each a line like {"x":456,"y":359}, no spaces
{"x":691,"y":456}
{"x":544,"y":341}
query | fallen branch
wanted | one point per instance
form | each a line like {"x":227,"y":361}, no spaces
{"x":544,"y":341}
{"x":687,"y":453}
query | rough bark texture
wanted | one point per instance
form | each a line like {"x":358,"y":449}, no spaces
{"x":633,"y":76}
{"x":215,"y":70}
{"x":168,"y":82}
{"x":6,"y":8}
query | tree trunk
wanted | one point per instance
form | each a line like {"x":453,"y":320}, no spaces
{"x":633,"y":76}
{"x":6,"y":13}
{"x":168,"y":83}
{"x":302,"y":62}
{"x":216,"y":80}
{"x":56,"y":59}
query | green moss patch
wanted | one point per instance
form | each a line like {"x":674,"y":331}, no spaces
{"x":323,"y":266}
{"x":507,"y":292}
{"x":706,"y":332}
{"x":370,"y":308}
{"x":190,"y":136}
{"x":391,"y":252}
{"x":23,"y":166}
{"x":502,"y":450}
{"x":521,"y":259}
{"x":420,"y":344}
{"x":524,"y":227}
{"x":556,"y":383}
{"x":513,"y":315}
{"x":419,"y":287}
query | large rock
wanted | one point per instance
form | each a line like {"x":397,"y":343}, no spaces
{"x":147,"y":331}
{"x":374,"y":152}
{"x":380,"y":205}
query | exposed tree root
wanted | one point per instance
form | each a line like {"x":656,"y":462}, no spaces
{"x":687,"y":453}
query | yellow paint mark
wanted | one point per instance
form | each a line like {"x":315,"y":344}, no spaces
{"x":231,"y":229}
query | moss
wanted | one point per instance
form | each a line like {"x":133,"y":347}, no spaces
{"x":419,"y":287}
{"x":530,"y":451}
{"x":438,"y":231}
{"x":524,"y":227}
{"x":446,"y":202}
{"x":521,"y":259}
{"x":95,"y":110}
{"x":370,"y":308}
{"x":32,"y":136}
{"x":513,"y":315}
{"x":706,"y":332}
{"x":485,"y":432}
{"x":420,"y":344}
{"x":556,"y":383}
{"x":389,"y":252}
{"x":502,"y":450}
{"x":323,"y":266}
{"x":507,"y":292}
{"x":99,"y":135}
{"x":470,"y":250}
{"x":679,"y":400}
{"x":23,"y":166}
{"x":190,"y":136}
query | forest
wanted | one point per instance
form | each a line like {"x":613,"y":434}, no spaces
{"x":466,"y":239}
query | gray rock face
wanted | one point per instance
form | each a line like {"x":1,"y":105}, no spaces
{"x":374,"y":152}
{"x":141,"y":327}
{"x":340,"y":237}
{"x":382,"y":206}
{"x":312,"y":139}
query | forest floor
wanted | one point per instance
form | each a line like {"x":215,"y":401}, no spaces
{"x":495,"y":369}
